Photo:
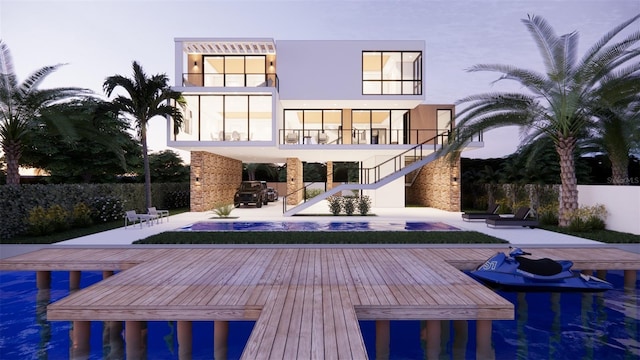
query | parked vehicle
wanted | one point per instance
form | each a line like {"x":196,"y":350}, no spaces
{"x":272,"y":194}
{"x":250,"y":192}
{"x":514,"y":272}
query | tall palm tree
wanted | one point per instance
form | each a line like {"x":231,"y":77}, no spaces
{"x":148,"y":97}
{"x":556,"y":101}
{"x":21,"y":107}
{"x":616,"y":120}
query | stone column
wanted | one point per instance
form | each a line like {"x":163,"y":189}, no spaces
{"x":294,"y":181}
{"x":214,"y":180}
{"x":329,"y":175}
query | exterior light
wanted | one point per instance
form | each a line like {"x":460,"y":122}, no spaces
{"x":195,"y":63}
{"x":270,"y":63}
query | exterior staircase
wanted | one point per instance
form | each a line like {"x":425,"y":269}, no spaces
{"x":383,"y":173}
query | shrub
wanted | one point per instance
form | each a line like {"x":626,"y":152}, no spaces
{"x":548,"y":214}
{"x":335,"y":204}
{"x":223,"y":210}
{"x":311,"y":193}
{"x":81,"y":215}
{"x":349,"y":204}
{"x":588,"y":218}
{"x":38,"y":222}
{"x":364,"y":205}
{"x":106,"y":208}
{"x":59,"y":217}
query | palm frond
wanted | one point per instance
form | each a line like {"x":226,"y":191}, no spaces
{"x":33,"y":80}
{"x":7,"y":75}
{"x":598,"y":45}
{"x":544,"y":36}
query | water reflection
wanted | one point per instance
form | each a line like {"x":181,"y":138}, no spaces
{"x":42,"y":300}
{"x":522,"y":317}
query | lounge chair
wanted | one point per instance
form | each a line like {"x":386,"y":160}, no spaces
{"x":492,"y":212}
{"x":159,"y":214}
{"x":131,"y":217}
{"x":518,"y":219}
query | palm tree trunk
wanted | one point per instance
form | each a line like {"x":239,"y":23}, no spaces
{"x":619,"y":170}
{"x":569,"y":184}
{"x":12,"y":156}
{"x":147,"y":171}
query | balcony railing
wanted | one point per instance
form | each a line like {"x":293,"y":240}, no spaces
{"x":230,"y":80}
{"x":345,"y":136}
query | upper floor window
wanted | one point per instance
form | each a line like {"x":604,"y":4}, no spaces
{"x":235,"y":71}
{"x":392,"y":73}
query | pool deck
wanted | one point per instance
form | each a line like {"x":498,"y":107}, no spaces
{"x":306,"y":300}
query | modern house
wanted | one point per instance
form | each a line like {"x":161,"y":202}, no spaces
{"x":255,"y":100}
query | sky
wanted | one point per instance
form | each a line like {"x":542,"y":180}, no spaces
{"x":101,"y":38}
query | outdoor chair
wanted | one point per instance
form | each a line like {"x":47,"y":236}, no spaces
{"x":159,"y":214}
{"x":131,"y":217}
{"x":292,"y":138}
{"x":518,"y":219}
{"x":492,"y":212}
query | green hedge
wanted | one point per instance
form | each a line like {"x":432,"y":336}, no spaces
{"x":106,"y":201}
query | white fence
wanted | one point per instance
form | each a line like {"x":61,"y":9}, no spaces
{"x":622,"y":203}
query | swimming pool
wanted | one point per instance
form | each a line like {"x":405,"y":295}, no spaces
{"x":546,"y":326}
{"x":316,"y":226}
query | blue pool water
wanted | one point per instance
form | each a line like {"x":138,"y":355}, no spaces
{"x":314,"y":226}
{"x":547,"y":326}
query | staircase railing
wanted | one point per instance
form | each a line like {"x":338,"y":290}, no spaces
{"x":375,"y":174}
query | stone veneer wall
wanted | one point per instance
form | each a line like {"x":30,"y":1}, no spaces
{"x":437,"y":186}
{"x":295,"y":181}
{"x":329,"y":175}
{"x":218,"y":178}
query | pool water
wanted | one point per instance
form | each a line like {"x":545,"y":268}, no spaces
{"x":314,"y":226}
{"x":546,"y":326}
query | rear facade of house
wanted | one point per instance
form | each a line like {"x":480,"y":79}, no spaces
{"x":293,"y":101}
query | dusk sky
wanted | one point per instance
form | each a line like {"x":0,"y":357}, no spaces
{"x":97,"y":39}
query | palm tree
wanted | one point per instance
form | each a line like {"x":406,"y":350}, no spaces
{"x":556,"y":103}
{"x":616,"y":123}
{"x":21,"y":107}
{"x":148,"y":97}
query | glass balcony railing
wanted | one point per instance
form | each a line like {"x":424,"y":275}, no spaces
{"x":230,"y":80}
{"x":371,"y":136}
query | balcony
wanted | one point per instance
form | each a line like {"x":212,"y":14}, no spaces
{"x":230,"y":80}
{"x":373,"y":136}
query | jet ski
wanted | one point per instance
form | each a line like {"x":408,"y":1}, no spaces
{"x":515,"y":272}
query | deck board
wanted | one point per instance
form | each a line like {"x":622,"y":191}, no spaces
{"x":306,"y":301}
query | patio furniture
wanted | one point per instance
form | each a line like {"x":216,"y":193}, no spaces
{"x":491,"y":212}
{"x":518,"y":219}
{"x":159,"y":214}
{"x":292,"y":138}
{"x":131,"y":217}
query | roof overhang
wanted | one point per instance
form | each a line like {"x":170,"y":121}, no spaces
{"x":236,"y":46}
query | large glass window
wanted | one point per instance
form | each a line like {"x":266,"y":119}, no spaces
{"x":235,"y":70}
{"x":378,"y":126}
{"x":227,"y":118}
{"x":312,"y":126}
{"x":260,"y":115}
{"x":391,"y":73}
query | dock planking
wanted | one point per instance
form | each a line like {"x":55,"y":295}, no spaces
{"x":306,"y":301}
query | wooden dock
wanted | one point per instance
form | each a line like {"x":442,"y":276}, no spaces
{"x":306,"y":301}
